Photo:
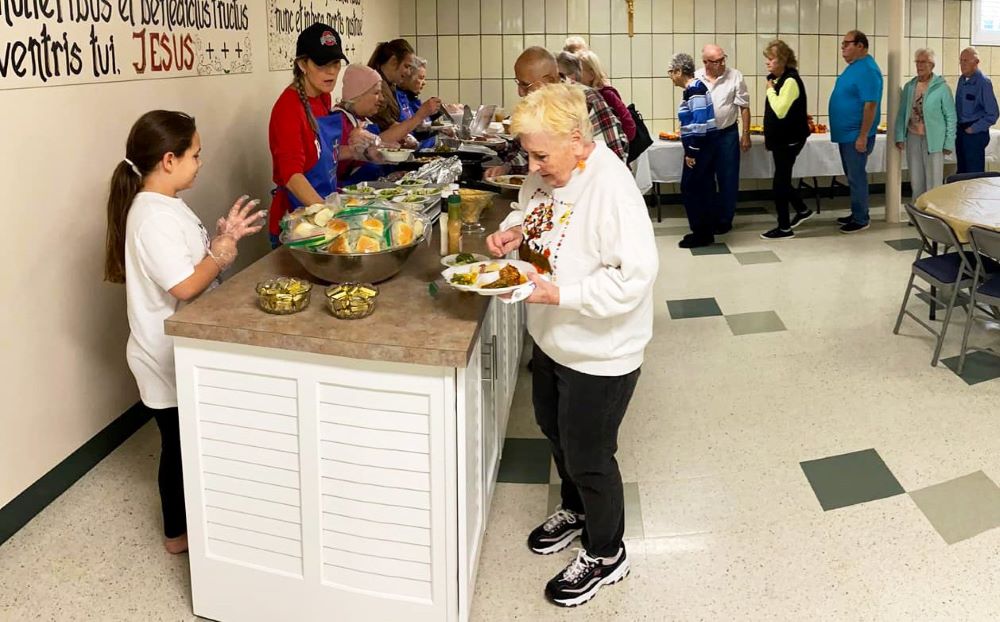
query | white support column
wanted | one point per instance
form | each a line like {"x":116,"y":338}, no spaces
{"x":897,"y":56}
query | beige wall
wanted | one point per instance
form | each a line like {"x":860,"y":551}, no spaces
{"x":472,"y":44}
{"x":64,"y":330}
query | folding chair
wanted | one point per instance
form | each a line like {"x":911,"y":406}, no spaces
{"x":985,"y":288}
{"x":966,"y":176}
{"x":952,"y":271}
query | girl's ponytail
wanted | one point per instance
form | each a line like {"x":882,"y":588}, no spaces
{"x":154,"y":135}
{"x":125,"y":184}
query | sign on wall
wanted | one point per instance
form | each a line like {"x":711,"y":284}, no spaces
{"x":287,"y":18}
{"x":58,"y":42}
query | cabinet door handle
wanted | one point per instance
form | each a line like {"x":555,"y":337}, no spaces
{"x":493,"y":353}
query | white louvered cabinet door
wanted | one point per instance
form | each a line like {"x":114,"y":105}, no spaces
{"x":317,"y":487}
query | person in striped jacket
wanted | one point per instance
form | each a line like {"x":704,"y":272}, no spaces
{"x":698,"y":135}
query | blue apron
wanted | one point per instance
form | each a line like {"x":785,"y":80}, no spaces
{"x":323,"y":175}
{"x":405,"y":112}
{"x":367,"y":171}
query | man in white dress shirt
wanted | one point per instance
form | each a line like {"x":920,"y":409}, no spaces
{"x":731,"y":102}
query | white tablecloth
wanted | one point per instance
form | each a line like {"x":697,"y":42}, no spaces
{"x":663,"y":161}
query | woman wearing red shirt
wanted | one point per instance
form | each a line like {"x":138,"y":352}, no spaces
{"x":304,"y":166}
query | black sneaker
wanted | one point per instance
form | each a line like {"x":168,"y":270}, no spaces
{"x":581,"y":579}
{"x":853,"y":227}
{"x":696,"y":241}
{"x":843,"y":220}
{"x":801,"y":217}
{"x":778,"y":234}
{"x":556,"y":533}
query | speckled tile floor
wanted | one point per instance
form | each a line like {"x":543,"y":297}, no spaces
{"x":728,"y":526}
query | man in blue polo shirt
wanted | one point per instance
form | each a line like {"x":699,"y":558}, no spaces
{"x":855,"y":109}
{"x":977,"y":111}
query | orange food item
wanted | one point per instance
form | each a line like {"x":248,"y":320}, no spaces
{"x":367,"y":244}
{"x":669,"y":136}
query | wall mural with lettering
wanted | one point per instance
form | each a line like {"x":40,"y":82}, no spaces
{"x":287,"y":18}
{"x":59,"y":42}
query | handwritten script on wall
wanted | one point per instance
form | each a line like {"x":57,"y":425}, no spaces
{"x":287,"y":18}
{"x":59,"y":42}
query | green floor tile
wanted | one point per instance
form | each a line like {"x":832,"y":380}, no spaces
{"x":633,"y":508}
{"x":756,"y":257}
{"x":525,"y":461}
{"x":961,"y":508}
{"x":756,"y":322}
{"x":979,"y":366}
{"x":849,"y":479}
{"x":719,"y":248}
{"x":906,"y":244}
{"x":692,"y":308}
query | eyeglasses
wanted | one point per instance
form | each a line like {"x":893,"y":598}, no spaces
{"x":718,"y":61}
{"x":844,"y":44}
{"x":526,"y":87}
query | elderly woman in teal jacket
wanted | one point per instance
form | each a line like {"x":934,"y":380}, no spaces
{"x":925,"y":124}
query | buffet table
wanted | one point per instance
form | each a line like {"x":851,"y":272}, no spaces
{"x":342,"y":469}
{"x":663,"y":161}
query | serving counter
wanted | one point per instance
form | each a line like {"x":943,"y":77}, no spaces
{"x":342,"y":469}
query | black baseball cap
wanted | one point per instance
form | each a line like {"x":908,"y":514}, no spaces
{"x":321,"y":44}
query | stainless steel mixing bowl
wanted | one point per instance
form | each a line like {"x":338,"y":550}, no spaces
{"x":360,"y":267}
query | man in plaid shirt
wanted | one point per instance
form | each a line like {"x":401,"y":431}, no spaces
{"x":536,"y":67}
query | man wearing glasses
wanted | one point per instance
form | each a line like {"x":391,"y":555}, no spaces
{"x":855,"y":109}
{"x":731,"y":102}
{"x":536,"y":67}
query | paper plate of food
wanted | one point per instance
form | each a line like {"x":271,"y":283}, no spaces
{"x":491,"y":277}
{"x":463,"y":259}
{"x":359,"y":190}
{"x":411,"y":183}
{"x":510,"y":182}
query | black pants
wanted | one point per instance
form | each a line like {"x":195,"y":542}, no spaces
{"x":580,"y":415}
{"x":784,"y":193}
{"x":171,"y":478}
{"x":698,"y":191}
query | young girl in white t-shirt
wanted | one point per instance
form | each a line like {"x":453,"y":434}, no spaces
{"x":160,"y":250}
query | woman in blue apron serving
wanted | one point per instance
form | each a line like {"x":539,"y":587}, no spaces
{"x":300,"y":136}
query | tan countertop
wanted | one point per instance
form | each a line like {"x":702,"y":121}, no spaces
{"x":408,"y":325}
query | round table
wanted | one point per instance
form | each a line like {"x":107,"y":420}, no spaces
{"x":965,"y":203}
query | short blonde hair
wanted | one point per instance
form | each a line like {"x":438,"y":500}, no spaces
{"x":575,"y":44}
{"x":555,"y":109}
{"x":592,"y":63}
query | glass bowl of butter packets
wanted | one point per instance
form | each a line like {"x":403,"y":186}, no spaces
{"x":351,"y":301}
{"x":283,"y":295}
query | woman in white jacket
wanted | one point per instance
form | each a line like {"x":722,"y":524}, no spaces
{"x":583,"y":224}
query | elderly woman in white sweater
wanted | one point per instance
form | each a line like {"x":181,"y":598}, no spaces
{"x":584,"y":225}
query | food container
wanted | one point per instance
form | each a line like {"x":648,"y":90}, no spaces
{"x":283,"y":295}
{"x":351,"y":301}
{"x":352,"y":263}
{"x":396,"y":156}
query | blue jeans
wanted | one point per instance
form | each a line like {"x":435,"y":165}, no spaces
{"x":857,"y":178}
{"x":970,"y":150}
{"x":727,"y":175}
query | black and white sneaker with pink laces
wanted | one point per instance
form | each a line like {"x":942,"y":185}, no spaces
{"x":584,"y":576}
{"x":556,"y":533}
